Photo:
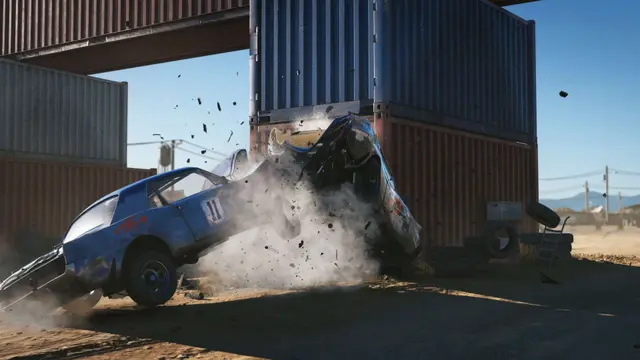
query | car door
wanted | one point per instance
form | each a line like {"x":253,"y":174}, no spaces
{"x":203,"y":210}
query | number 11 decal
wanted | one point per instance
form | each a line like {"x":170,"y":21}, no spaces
{"x":215,"y":208}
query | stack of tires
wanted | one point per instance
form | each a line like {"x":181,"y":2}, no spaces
{"x":531,"y":245}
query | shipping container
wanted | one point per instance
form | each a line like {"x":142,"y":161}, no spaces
{"x":29,"y":25}
{"x":40,"y":199}
{"x":448,"y":177}
{"x":61,"y":116}
{"x":469,"y":61}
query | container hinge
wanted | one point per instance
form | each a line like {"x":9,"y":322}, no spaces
{"x":375,"y":5}
{"x":375,"y":81}
{"x":375,"y":38}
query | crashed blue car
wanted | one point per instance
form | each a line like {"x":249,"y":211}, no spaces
{"x":348,"y":152}
{"x":131,"y":241}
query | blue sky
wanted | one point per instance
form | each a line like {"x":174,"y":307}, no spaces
{"x":587,"y":48}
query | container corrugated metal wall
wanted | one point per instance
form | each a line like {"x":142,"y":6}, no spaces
{"x":458,"y":173}
{"x":45,"y":197}
{"x":468,"y":59}
{"x":447,"y":176}
{"x":57,"y":115}
{"x":314,"y":52}
{"x":33,"y":24}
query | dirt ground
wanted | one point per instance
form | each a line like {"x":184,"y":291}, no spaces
{"x":506,"y":313}
{"x":609,"y":239}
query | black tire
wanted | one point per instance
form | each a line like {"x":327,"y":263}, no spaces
{"x":492,"y":244}
{"x":543,"y":215}
{"x":139,"y":283}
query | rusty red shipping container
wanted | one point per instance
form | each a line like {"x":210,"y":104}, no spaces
{"x":447,"y":176}
{"x":27,"y":25}
{"x":44,"y":197}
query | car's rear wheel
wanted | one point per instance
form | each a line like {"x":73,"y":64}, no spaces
{"x":151,"y":278}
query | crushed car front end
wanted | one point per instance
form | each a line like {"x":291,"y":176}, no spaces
{"x":48,"y":279}
{"x":348,"y":151}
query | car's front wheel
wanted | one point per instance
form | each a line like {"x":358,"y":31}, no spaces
{"x":151,"y":278}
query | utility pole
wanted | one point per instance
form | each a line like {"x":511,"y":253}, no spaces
{"x":586,"y":196}
{"x":606,"y":194}
{"x":619,"y":201}
{"x":173,"y":154}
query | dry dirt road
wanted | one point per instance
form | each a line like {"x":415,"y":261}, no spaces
{"x":609,"y":239}
{"x":504,"y":314}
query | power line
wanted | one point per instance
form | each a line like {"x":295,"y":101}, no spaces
{"x":624,"y":188}
{"x":205,"y":148}
{"x":198,"y":154}
{"x":563,"y":189}
{"x":576,"y":176}
{"x":625,"y":172}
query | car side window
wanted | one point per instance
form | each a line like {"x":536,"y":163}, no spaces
{"x":177,"y":188}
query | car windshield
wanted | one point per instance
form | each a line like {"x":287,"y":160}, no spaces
{"x":99,"y":215}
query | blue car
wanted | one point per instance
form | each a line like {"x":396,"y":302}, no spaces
{"x":348,"y":152}
{"x":132,"y":241}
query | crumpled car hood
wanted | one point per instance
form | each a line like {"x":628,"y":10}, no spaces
{"x":57,"y":251}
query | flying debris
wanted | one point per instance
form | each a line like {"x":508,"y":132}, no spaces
{"x":188,"y":161}
{"x":234,"y":103}
{"x":156,"y":134}
{"x":179,"y":76}
{"x":199,"y":101}
{"x":203,"y":152}
{"x":564,"y":94}
{"x":204,"y":127}
{"x":192,"y":136}
{"x":230,"y":135}
{"x":219,"y":107}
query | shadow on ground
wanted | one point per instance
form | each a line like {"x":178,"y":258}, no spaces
{"x":506,"y":313}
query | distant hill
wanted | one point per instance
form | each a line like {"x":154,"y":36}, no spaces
{"x":576,"y":202}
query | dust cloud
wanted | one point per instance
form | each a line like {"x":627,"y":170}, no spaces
{"x":608,"y":240}
{"x":32,"y":312}
{"x":332,"y":247}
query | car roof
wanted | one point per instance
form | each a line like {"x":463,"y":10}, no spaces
{"x":142,"y":182}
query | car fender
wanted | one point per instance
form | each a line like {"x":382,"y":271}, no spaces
{"x":93,"y":255}
{"x":90,"y":258}
{"x":165,"y":223}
